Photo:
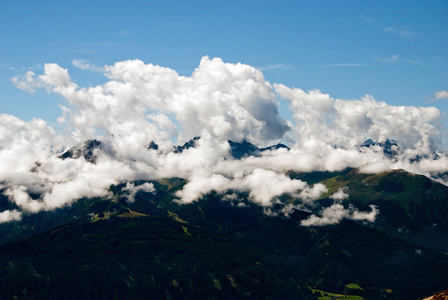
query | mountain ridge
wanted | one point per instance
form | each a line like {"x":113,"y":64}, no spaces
{"x":401,"y":236}
{"x":317,"y":254}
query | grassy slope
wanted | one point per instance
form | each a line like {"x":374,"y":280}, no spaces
{"x":329,"y":257}
{"x":412,"y":207}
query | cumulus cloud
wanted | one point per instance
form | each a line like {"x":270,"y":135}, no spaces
{"x":364,"y":216}
{"x":329,"y":216}
{"x":78,"y":179}
{"x":26,"y":82}
{"x":340,"y":195}
{"x":321,"y":120}
{"x":265,"y":185}
{"x":19,"y":196}
{"x":54,"y":79}
{"x":132,"y":190}
{"x":230,"y":101}
{"x":143,"y":103}
{"x":336,"y":213}
{"x":10,"y":215}
{"x":312,"y":193}
{"x":24,"y":145}
{"x":202,"y":184}
{"x":262,"y":185}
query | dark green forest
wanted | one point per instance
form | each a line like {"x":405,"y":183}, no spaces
{"x":155,"y":248}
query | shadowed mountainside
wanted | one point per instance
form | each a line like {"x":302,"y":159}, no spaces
{"x":216,"y":247}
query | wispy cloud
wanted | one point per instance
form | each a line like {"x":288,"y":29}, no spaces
{"x":366,"y":19}
{"x":391,"y":59}
{"x":442,"y":95}
{"x":35,"y":67}
{"x":344,"y":65}
{"x":275,"y":67}
{"x":403,"y":33}
{"x":84,"y":64}
{"x":394,"y":58}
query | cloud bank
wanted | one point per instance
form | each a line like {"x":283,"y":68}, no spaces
{"x":143,"y":104}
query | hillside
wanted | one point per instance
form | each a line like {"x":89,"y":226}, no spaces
{"x":213,"y":247}
{"x":142,"y":257}
{"x":412,"y":207}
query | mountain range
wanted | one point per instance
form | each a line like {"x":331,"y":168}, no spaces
{"x":151,"y":246}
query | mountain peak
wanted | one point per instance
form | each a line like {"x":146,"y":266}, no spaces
{"x":89,"y":150}
{"x":390,"y":147}
{"x":190,"y":144}
{"x":243,"y":149}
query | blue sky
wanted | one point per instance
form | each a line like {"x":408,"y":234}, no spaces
{"x":396,"y":51}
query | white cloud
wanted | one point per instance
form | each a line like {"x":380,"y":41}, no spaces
{"x":322,"y":122}
{"x":441,"y":95}
{"x":132,"y":190}
{"x":83,"y":179}
{"x":364,"y":216}
{"x":84,"y":64}
{"x":262,"y":185}
{"x":340,"y":194}
{"x":329,"y":216}
{"x":10,"y":215}
{"x":366,"y":19}
{"x":312,"y":193}
{"x":275,"y":67}
{"x":265,"y":185}
{"x":19,"y":196}
{"x":23,"y":145}
{"x":202,"y":184}
{"x":336,"y":213}
{"x":54,"y":79}
{"x":141,"y":103}
{"x":27,"y":82}
{"x":229,"y":101}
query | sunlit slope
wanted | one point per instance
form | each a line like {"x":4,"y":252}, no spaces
{"x":411,"y":206}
